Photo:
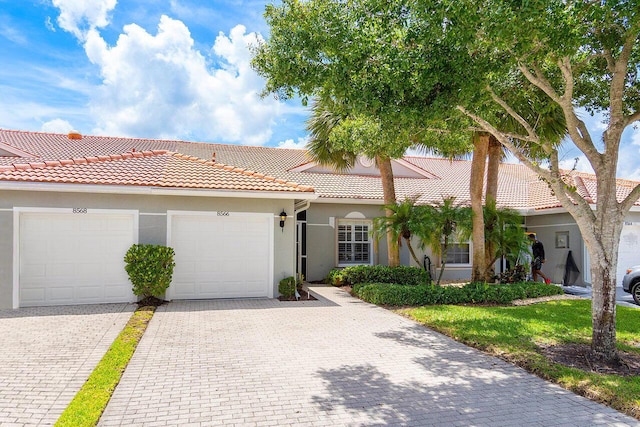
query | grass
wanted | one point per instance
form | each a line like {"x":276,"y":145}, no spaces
{"x":516,"y":334}
{"x":87,"y":406}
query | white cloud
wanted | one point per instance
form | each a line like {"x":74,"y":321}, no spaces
{"x":160,"y":86}
{"x":290,"y":143}
{"x":81,"y":16}
{"x":57,"y":126}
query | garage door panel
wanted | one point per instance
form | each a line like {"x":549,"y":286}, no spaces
{"x":68,"y":258}
{"x":221,"y":257}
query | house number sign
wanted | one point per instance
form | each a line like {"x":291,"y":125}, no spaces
{"x":80,"y":210}
{"x":223,"y":213}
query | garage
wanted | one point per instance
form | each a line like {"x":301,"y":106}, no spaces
{"x":629,"y":250}
{"x":221,"y":254}
{"x":72,"y":256}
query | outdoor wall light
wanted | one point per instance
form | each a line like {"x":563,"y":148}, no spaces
{"x":283,"y":218}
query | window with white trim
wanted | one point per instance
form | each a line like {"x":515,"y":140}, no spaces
{"x":354,"y":242}
{"x":458,"y":254}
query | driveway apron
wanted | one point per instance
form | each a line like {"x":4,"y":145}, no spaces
{"x":47,"y":354}
{"x":335,"y":361}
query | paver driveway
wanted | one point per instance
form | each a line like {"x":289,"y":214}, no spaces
{"x":337,"y":361}
{"x":47,"y":353}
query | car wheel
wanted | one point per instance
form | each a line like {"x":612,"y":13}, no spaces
{"x":635,"y":291}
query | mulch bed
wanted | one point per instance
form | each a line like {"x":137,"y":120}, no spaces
{"x":304,"y":296}
{"x":151,"y":302}
{"x":579,"y":356}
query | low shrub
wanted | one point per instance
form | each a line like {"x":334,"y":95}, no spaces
{"x":334,"y":277}
{"x":401,"y":295}
{"x":150,"y":269}
{"x":409,"y":276}
{"x":287,"y":287}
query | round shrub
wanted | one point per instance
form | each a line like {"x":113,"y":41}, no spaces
{"x":150,"y":269}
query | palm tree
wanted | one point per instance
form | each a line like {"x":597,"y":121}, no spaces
{"x":326,"y":116}
{"x":441,"y":223}
{"x":506,"y":234}
{"x":402,"y":224}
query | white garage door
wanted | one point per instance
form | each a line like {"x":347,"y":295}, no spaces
{"x":221,"y":255}
{"x":74,"y":258}
{"x":629,"y":251}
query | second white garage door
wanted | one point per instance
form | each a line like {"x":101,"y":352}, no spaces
{"x":221,"y":255}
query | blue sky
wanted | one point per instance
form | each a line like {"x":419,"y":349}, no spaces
{"x":159,"y":69}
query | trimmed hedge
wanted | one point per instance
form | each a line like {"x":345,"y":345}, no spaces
{"x":404,"y":275}
{"x":399,"y":295}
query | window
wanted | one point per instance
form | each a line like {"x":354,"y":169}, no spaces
{"x":458,"y":253}
{"x":354,"y":242}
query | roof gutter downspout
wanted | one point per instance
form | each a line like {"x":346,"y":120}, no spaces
{"x":299,"y":206}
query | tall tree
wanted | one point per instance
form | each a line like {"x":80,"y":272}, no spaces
{"x":336,"y":139}
{"x":579,"y":55}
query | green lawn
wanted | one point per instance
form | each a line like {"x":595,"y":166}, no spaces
{"x":515,"y":334}
{"x":87,"y":406}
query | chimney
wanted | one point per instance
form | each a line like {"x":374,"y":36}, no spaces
{"x":74,"y":134}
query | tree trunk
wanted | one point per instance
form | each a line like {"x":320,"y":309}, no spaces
{"x":476,"y":187}
{"x":603,"y":313}
{"x":412,"y":252}
{"x":493,"y":167}
{"x":389,"y":194}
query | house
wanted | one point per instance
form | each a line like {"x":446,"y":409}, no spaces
{"x":240,"y":218}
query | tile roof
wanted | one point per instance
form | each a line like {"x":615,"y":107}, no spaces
{"x":519,"y":187}
{"x":157,"y":168}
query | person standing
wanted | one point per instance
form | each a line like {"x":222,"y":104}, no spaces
{"x":537,"y":249}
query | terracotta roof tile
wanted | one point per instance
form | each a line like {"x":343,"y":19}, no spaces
{"x":518,"y":186}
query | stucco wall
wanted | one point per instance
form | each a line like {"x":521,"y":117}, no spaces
{"x":547,"y":226}
{"x":152,"y":222}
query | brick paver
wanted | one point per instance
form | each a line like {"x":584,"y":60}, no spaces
{"x":336,"y":361}
{"x":47,"y":353}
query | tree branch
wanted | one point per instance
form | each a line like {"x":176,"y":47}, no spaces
{"x":541,"y":82}
{"x":571,"y":200}
{"x":631,"y":118}
{"x":577,"y":130}
{"x":533,"y":137}
{"x":564,"y":64}
{"x":487,"y":127}
{"x":611,"y":65}
{"x":631,"y":199}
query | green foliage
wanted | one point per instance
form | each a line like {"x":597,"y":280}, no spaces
{"x":503,"y":228}
{"x":334,"y":277}
{"x":287,"y":287}
{"x":479,"y":293}
{"x":150,"y":269}
{"x":401,"y":224}
{"x":408,"y":276}
{"x":517,"y":274}
{"x":439,"y":225}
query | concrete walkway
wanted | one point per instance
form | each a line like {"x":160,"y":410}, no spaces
{"x":333,"y":362}
{"x":47,"y":353}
